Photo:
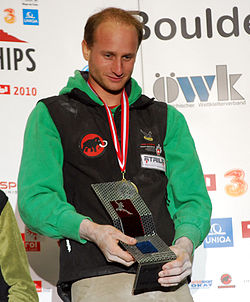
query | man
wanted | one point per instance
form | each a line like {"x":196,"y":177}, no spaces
{"x":72,"y":141}
{"x":16,"y":284}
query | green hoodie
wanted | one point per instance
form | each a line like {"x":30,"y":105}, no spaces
{"x":41,"y":198}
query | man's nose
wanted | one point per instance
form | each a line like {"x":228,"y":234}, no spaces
{"x":117,"y":67}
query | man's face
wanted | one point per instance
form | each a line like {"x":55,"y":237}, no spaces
{"x":111,"y":58}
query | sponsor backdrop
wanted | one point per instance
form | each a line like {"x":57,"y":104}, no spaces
{"x":195,"y":56}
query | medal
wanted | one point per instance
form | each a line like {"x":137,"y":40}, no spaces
{"x":121,"y":150}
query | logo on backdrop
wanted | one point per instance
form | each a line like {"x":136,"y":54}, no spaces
{"x":10,"y":16}
{"x":9,"y":187}
{"x":5,"y":37}
{"x":18,"y":90}
{"x":92,"y":145}
{"x":237,"y":186}
{"x":4,"y":89}
{"x":30,"y":17}
{"x":12,"y":58}
{"x":166,"y":28}
{"x":245,"y":229}
{"x":31,"y":242}
{"x":167,"y":89}
{"x":201,"y":284}
{"x":38,"y":285}
{"x":221,"y":233}
{"x":210,"y":181}
{"x":226,"y":280}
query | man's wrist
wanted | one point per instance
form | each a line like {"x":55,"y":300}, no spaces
{"x":185,"y":243}
{"x":87,"y":230}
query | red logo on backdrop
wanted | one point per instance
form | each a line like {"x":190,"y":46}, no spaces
{"x":237,"y":185}
{"x":210,"y":182}
{"x":7,"y":185}
{"x":38,"y":285}
{"x":245,"y":229}
{"x":31,"y":235}
{"x":92,"y":145}
{"x":4,"y":89}
{"x":226,"y":280}
{"x":31,"y":246}
{"x":5,"y":37}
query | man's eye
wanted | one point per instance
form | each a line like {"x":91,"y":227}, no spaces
{"x":127,"y":58}
{"x":108,"y":55}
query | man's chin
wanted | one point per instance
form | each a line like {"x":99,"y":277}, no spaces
{"x":114,"y":91}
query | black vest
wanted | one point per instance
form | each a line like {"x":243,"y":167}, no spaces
{"x":83,"y":128}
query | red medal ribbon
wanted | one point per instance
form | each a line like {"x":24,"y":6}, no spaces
{"x":121,"y":151}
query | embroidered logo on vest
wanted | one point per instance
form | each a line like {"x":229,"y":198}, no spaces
{"x":147,"y":135}
{"x":92,"y":145}
{"x":153,"y":162}
{"x":158,"y":149}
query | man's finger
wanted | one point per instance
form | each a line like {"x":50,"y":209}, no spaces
{"x":120,"y":253}
{"x":172,"y":280}
{"x":121,"y":261}
{"x":127,"y":239}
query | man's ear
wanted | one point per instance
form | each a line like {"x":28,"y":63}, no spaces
{"x":85,"y":50}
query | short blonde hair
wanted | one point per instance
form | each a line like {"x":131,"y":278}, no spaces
{"x":113,"y":14}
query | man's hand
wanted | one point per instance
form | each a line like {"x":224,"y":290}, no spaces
{"x":107,"y":237}
{"x":175,"y":271}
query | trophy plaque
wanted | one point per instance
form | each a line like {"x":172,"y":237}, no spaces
{"x":131,"y":215}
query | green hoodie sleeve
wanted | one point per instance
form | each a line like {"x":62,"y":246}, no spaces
{"x":42,"y":200}
{"x":189,"y":202}
{"x":13,"y":260}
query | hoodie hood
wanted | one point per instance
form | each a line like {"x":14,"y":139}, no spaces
{"x":79,"y":81}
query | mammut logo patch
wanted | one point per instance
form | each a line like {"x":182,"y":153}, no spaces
{"x":92,"y":145}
